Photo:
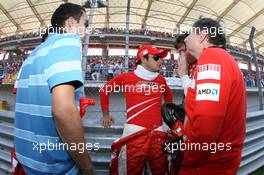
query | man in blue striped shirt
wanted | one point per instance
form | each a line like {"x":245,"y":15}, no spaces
{"x":48,"y":128}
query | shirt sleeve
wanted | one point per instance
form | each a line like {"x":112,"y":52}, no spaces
{"x":108,"y":88}
{"x":64,"y":62}
{"x":186,"y":83}
{"x":168,"y":97}
{"x":209,"y":109}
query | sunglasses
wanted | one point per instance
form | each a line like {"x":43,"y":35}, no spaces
{"x":156,"y":57}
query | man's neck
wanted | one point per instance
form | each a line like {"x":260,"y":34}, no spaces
{"x":145,"y":67}
{"x":143,"y":73}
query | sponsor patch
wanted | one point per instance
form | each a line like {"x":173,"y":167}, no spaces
{"x":208,"y":91}
{"x":209,"y":71}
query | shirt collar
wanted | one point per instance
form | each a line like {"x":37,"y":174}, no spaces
{"x":143,"y":73}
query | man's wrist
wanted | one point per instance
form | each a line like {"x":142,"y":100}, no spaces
{"x":106,"y":113}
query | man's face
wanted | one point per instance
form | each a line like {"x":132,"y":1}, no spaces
{"x":76,"y":27}
{"x":182,"y":50}
{"x":81,"y":25}
{"x":193,"y":44}
{"x":153,"y":63}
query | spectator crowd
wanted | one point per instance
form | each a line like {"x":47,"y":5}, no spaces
{"x":100,"y":68}
{"x":9,"y":69}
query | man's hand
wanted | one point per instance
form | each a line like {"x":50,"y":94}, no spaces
{"x":182,"y":65}
{"x":107,"y":120}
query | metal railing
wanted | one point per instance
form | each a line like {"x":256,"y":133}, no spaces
{"x":252,"y":155}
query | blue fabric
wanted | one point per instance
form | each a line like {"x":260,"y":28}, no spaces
{"x":56,"y":61}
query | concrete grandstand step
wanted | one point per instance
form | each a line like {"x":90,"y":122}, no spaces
{"x":6,"y":143}
{"x":5,"y":156}
{"x":100,"y":157}
{"x":102,"y":166}
{"x":5,"y":167}
{"x":101,"y":172}
{"x":2,"y":172}
{"x":103,"y":137}
{"x":6,"y":130}
{"x":103,"y":142}
{"x":99,"y":130}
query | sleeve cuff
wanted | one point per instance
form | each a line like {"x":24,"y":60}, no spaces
{"x":186,"y":83}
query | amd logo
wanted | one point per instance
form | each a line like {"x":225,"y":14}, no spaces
{"x":208,"y":91}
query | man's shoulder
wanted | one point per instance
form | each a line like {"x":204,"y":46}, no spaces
{"x":62,"y":36}
{"x":161,"y":78}
{"x":126,"y":74}
{"x":215,"y":53}
{"x":67,"y":39}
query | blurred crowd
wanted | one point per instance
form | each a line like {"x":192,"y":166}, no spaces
{"x":20,"y":36}
{"x":244,"y":51}
{"x":9,"y":69}
{"x":100,"y":68}
{"x":145,"y":32}
{"x":133,"y":32}
{"x":250,"y":78}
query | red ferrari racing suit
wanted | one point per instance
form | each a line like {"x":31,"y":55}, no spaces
{"x":143,"y":135}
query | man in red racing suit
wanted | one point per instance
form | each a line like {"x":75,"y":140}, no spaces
{"x":144,"y":132}
{"x":215,"y":105}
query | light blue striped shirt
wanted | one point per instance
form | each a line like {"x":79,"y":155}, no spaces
{"x":38,"y":146}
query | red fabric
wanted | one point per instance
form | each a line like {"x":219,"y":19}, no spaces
{"x":151,"y":50}
{"x":17,"y":169}
{"x":116,"y":148}
{"x":148,"y":115}
{"x":141,"y":147}
{"x":177,"y":129}
{"x":14,"y":90}
{"x":84,"y":102}
{"x":217,"y":122}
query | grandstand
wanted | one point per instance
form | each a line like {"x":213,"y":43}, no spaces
{"x":156,"y":22}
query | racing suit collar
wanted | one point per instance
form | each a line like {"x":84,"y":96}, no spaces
{"x":143,"y":73}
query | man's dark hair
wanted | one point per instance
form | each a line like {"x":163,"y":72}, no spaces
{"x":212,"y":27}
{"x":180,"y":40}
{"x":63,"y":12}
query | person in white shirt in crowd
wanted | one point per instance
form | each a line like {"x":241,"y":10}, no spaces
{"x":97,"y":69}
{"x":118,"y":68}
{"x":111,"y":68}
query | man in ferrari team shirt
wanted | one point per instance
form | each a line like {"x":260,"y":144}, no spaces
{"x":140,"y":144}
{"x":215,"y":104}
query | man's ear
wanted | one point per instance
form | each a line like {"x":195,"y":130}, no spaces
{"x":143,"y":60}
{"x":69,"y":23}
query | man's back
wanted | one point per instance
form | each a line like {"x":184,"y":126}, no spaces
{"x":216,"y":111}
{"x":54,"y":62}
